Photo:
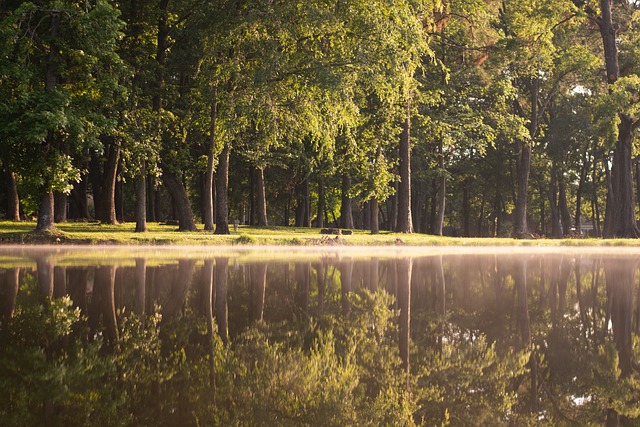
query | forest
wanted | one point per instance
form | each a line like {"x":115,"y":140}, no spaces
{"x":448,"y":117}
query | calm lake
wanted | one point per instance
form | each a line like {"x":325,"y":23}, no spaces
{"x":197,"y":336}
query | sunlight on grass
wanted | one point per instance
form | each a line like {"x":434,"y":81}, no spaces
{"x":161,"y":234}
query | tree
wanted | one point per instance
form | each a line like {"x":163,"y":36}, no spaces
{"x":49,"y":115}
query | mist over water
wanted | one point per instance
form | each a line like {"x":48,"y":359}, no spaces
{"x":504,"y":335}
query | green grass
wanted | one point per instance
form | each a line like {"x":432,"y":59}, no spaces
{"x":158,"y":234}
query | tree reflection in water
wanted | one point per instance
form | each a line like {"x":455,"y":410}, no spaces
{"x":426,"y":340}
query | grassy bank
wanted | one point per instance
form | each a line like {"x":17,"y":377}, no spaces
{"x":161,"y":234}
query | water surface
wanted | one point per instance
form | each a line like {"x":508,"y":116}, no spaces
{"x":325,"y":336}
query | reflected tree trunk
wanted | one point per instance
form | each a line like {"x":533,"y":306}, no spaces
{"x":141,"y":286}
{"x":222,"y":310}
{"x":9,"y":293}
{"x":620,"y":277}
{"x":524,"y":326}
{"x":346,"y":272}
{"x":258,"y":289}
{"x":403,"y":269}
{"x":303,"y":278}
{"x":371,"y":274}
{"x":207,"y":299}
{"x":321,"y":273}
{"x":59,"y":281}
{"x":44,"y":267}
{"x":103,"y":300}
{"x":179,"y":288}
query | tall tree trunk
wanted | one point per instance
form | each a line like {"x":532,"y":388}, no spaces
{"x":208,"y":195}
{"x":594,"y":198}
{"x":119,"y":201}
{"x":523,"y":164}
{"x":466,"y":210}
{"x":366,"y":216}
{"x":346,"y":208}
{"x":79,"y":196}
{"x":180,"y":199}
{"x":60,"y":202}
{"x":140,"y":184}
{"x":405,"y":223}
{"x":321,"y":203}
{"x":556,"y":229}
{"x":222,"y":191}
{"x":45,"y":214}
{"x":151,"y":199}
{"x":565,"y":215}
{"x":261,"y":198}
{"x":13,"y":200}
{"x":620,"y":220}
{"x":46,"y":210}
{"x":106,"y":208}
{"x":374,"y":221}
{"x":433,"y":207}
{"x":392,"y":208}
{"x":442,"y":192}
{"x":522,"y":173}
{"x":623,"y":221}
{"x":583,"y":178}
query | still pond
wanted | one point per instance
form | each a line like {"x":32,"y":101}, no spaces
{"x":119,"y":336}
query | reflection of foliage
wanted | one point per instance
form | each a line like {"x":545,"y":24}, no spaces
{"x":347,"y":374}
{"x":173,"y":371}
{"x":468,"y":383}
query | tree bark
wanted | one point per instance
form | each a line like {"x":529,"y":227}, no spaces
{"x":620,"y":220}
{"x":222,"y":191}
{"x":79,"y":197}
{"x":405,"y":223}
{"x":261,"y":198}
{"x":466,"y":210}
{"x":583,"y":178}
{"x":45,"y":214}
{"x":180,"y":199}
{"x":46,"y":211}
{"x":222,"y":308}
{"x":556,"y":229}
{"x":374,"y":221}
{"x":442,"y":192}
{"x":106,"y":208}
{"x":13,"y":200}
{"x":623,"y":219}
{"x":565,"y":215}
{"x":208,"y":195}
{"x":321,"y":203}
{"x":258,"y":289}
{"x":392,"y":208}
{"x":404,"y":268}
{"x":60,"y":202}
{"x":346,"y":208}
{"x":141,"y":199}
